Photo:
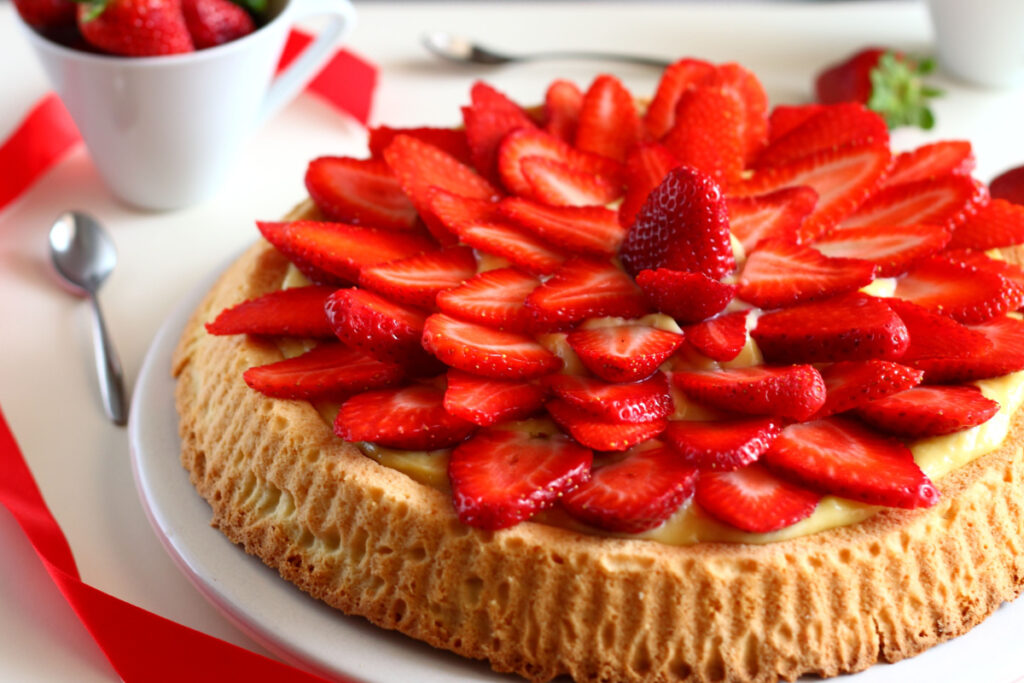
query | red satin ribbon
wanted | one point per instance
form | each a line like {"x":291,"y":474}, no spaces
{"x":47,"y":134}
{"x":142,"y":647}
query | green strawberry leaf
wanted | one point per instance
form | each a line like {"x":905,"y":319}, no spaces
{"x":898,"y":94}
{"x":255,"y":7}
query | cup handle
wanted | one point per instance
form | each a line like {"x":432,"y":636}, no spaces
{"x":341,"y":21}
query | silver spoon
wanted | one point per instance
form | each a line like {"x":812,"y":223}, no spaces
{"x":84,"y":255}
{"x":463,"y":50}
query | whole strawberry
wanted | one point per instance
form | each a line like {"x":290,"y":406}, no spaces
{"x":214,"y":22}
{"x":1009,"y":185}
{"x":46,"y":14}
{"x":135,"y":28}
{"x":885,"y":81}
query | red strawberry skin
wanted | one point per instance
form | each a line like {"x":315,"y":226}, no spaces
{"x":725,"y":445}
{"x":215,"y":22}
{"x":609,"y":124}
{"x":794,"y":391}
{"x":47,"y":14}
{"x":687,"y":297}
{"x":359,"y":192}
{"x":379,"y":327}
{"x":646,"y":166}
{"x":136,"y":28}
{"x":708,"y":133}
{"x":1009,"y":185}
{"x":624,"y":353}
{"x":929,"y":411}
{"x":411,"y":417}
{"x":720,"y":338}
{"x":328,"y":372}
{"x":295,"y":312}
{"x":850,"y":384}
{"x":997,"y":224}
{"x":850,"y":80}
{"x":449,"y":140}
{"x":753,"y":499}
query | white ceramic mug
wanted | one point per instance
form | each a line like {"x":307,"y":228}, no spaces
{"x":163,"y":131}
{"x":981,"y":41}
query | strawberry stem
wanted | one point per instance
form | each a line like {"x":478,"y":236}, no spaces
{"x":898,"y":93}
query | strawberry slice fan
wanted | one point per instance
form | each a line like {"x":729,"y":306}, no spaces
{"x":47,"y":132}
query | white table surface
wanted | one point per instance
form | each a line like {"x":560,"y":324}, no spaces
{"x":47,"y":385}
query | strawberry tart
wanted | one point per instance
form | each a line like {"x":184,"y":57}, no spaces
{"x":698,"y":390}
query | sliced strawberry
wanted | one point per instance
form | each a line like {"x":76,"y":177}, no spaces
{"x":892,"y":248}
{"x":502,"y":477}
{"x":378,"y":326}
{"x":848,"y":327}
{"x":676,"y":79}
{"x":1009,"y":185}
{"x":327,"y":372}
{"x":482,"y":351}
{"x":1005,"y":355}
{"x":776,"y":215}
{"x":485,"y":400}
{"x":843,"y":179}
{"x":753,"y":499}
{"x":562,"y":103}
{"x":418,"y":280}
{"x":780,"y":274}
{"x":998,"y":223}
{"x":528,"y":143}
{"x":342,"y":250}
{"x":410,"y":417}
{"x":609,"y":124}
{"x":359,"y":192}
{"x":623,"y":353}
{"x":930,"y":161}
{"x":450,"y":140}
{"x":708,"y":132}
{"x":489,"y":118}
{"x":495,"y":298}
{"x":585,"y":288}
{"x":850,"y":384}
{"x":945,"y":200}
{"x":420,"y":166}
{"x":832,"y":127}
{"x":622,"y":402}
{"x":725,"y":445}
{"x":602,"y":435}
{"x":791,"y":391}
{"x":683,"y":225}
{"x":720,"y":338}
{"x":839,"y":456}
{"x":754,"y":127}
{"x":687,"y":297}
{"x":296,"y":312}
{"x":980,"y":259}
{"x":481,"y":225}
{"x":933,"y":335}
{"x":590,"y":230}
{"x":967,"y":294}
{"x":276,"y":234}
{"x":633,"y":493}
{"x":786,"y":117}
{"x":646,"y":166}
{"x":556,"y":183}
{"x":929,"y":411}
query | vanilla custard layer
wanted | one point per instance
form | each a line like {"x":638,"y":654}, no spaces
{"x":936,"y":456}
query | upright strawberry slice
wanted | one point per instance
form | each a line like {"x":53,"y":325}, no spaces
{"x":687,"y":297}
{"x":708,"y":133}
{"x":930,"y":161}
{"x":786,"y":117}
{"x":791,"y":391}
{"x":529,"y":143}
{"x":450,"y":140}
{"x":562,"y":103}
{"x":624,"y":353}
{"x":296,"y":312}
{"x":585,"y":288}
{"x":359,"y":192}
{"x":1005,"y":355}
{"x":967,"y":294}
{"x":997,"y":224}
{"x":481,"y":225}
{"x":410,"y":417}
{"x":502,"y":477}
{"x":341,"y":249}
{"x":630,"y":402}
{"x":850,"y":384}
{"x":633,"y":493}
{"x":420,"y":166}
{"x":848,"y":327}
{"x":781,"y":274}
{"x":418,"y":280}
{"x":646,"y":166}
{"x":490,"y":117}
{"x":683,"y":225}
{"x":482,"y":351}
{"x":754,"y":126}
{"x":495,"y":298}
{"x":720,"y":338}
{"x":839,"y":456}
{"x":725,"y":445}
{"x":485,"y":400}
{"x":599,"y":434}
{"x":327,"y":372}
{"x":843,"y":179}
{"x":831,"y":127}
{"x":892,"y":248}
{"x":590,"y":230}
{"x":676,"y":79}
{"x":945,"y":200}
{"x":753,"y":499}
{"x":777,"y":215}
{"x":609,"y":124}
{"x":929,"y":411}
{"x":378,"y":326}
{"x":559,"y":184}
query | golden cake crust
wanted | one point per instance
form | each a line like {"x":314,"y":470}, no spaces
{"x":542,"y":601}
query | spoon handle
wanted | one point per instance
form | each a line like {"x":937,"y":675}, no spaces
{"x":598,"y":56}
{"x":108,"y":367}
